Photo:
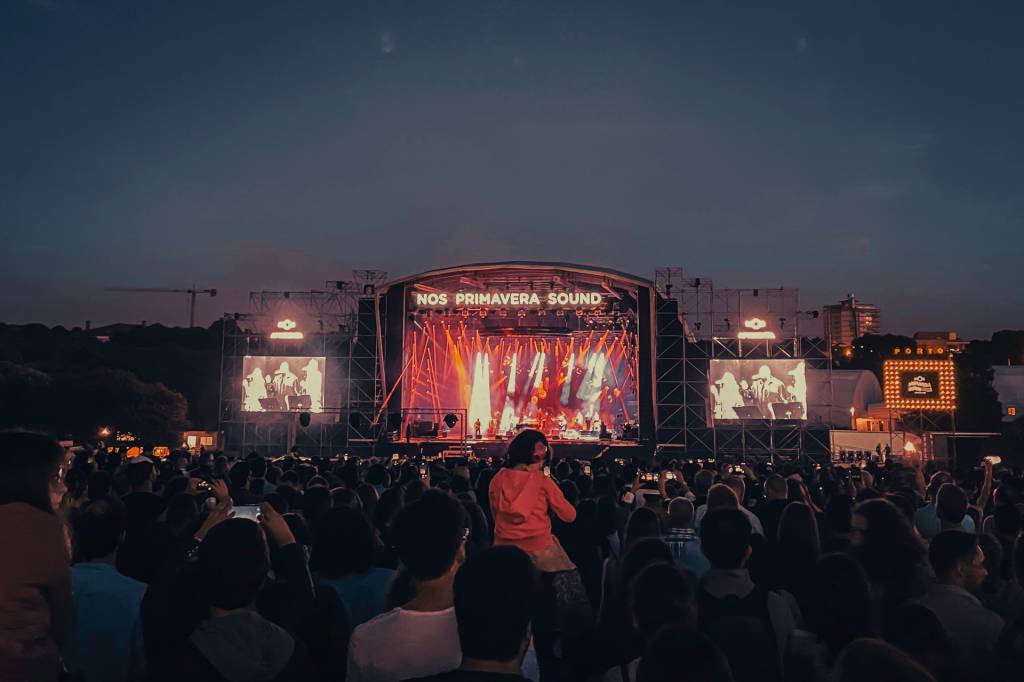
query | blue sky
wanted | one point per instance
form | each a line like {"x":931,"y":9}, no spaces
{"x":872,"y":147}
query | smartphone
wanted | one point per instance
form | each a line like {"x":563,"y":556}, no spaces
{"x":670,"y":475}
{"x":423,"y":471}
{"x":649,"y":476}
{"x":247,"y":511}
{"x":394,"y":458}
{"x":204,"y":486}
{"x":994,"y":459}
{"x":586,"y":469}
{"x":547,"y":471}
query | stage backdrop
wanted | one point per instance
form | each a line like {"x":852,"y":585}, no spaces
{"x":757,"y":389}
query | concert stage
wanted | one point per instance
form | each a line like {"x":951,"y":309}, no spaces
{"x":482,"y":351}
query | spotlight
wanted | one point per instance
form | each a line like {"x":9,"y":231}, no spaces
{"x":450,"y":420}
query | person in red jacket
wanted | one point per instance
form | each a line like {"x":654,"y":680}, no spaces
{"x":36,"y":606}
{"x":522,"y":499}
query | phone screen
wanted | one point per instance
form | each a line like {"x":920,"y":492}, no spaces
{"x":586,"y":469}
{"x":547,"y":471}
{"x":247,"y":511}
{"x":423,"y":471}
{"x":670,"y":475}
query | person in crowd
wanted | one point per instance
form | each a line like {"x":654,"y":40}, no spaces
{"x":419,"y":638}
{"x":235,"y":643}
{"x":702,"y":482}
{"x":999,"y":594}
{"x":662,"y":596}
{"x":927,"y":519}
{"x":959,"y":566}
{"x":106,"y":643}
{"x":495,"y":594}
{"x":679,"y":653}
{"x":872,"y":660}
{"x":36,"y":605}
{"x":717,"y":498}
{"x":796,"y":553}
{"x":891,"y":553}
{"x":342,"y":559}
{"x":751,"y":625}
{"x":139,"y":554}
{"x":682,"y":539}
{"x":840,"y":611}
{"x":836,"y":521}
{"x":239,"y":480}
{"x":522,"y":498}
{"x":770,"y":511}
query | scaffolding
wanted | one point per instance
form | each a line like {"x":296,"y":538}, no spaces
{"x":333,"y":328}
{"x":711,"y":320}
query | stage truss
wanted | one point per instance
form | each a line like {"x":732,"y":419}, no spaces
{"x":710,"y":321}
{"x":339,"y":325}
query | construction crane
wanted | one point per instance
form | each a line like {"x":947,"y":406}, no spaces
{"x":193,"y":292}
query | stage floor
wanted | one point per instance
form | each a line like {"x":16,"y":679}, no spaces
{"x":560,"y":449}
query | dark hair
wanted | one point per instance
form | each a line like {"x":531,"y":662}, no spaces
{"x":721,"y":496}
{"x":240,"y":474}
{"x":725,"y":537}
{"x":299,"y":528}
{"x":315,"y":503}
{"x":496,"y":594}
{"x":838,"y":512}
{"x":520,"y":449}
{"x":776,"y":485}
{"x":675,"y":649}
{"x":343,"y":544}
{"x":181,"y":512}
{"x":278,"y":501}
{"x":139,"y":473}
{"x":662,"y":596}
{"x":798,"y":549}
{"x":346,"y":497}
{"x":642,"y":523}
{"x":863,"y":659}
{"x":428,"y":534}
{"x":98,"y":485}
{"x":841,"y":609}
{"x":390,"y":503}
{"x":890,"y":551}
{"x":258,"y":466}
{"x":99,"y":529}
{"x":233,"y":562}
{"x":951,"y":503}
{"x":28,"y":463}
{"x":479,"y":528}
{"x":949,"y":548}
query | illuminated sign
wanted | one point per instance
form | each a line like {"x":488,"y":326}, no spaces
{"x":757,"y":329}
{"x":920,"y":351}
{"x":508,"y":299}
{"x":920,"y":384}
{"x":286,"y":330}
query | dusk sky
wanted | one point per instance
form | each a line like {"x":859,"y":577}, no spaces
{"x":868,"y":147}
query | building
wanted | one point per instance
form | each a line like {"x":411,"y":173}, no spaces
{"x":947,"y":340}
{"x":849,"y":319}
{"x":1008,"y":382}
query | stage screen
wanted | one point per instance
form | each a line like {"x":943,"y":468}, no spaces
{"x":574,"y":383}
{"x":275,"y":383}
{"x":758,"y":389}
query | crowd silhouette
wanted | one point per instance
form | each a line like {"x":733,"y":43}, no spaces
{"x":207,"y":567}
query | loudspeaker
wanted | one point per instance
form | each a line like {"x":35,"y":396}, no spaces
{"x":304,"y":419}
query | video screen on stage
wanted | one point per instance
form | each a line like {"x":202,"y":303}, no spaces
{"x":577,"y":384}
{"x":758,"y":389}
{"x":283,"y":383}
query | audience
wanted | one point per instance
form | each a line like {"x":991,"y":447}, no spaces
{"x":334,"y":569}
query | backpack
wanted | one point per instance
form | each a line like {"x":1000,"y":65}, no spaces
{"x":742,"y":629}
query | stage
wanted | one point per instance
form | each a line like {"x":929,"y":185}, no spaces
{"x":425,"y":447}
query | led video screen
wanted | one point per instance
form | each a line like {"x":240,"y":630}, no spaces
{"x":758,"y":389}
{"x":283,"y":383}
{"x":575,"y":385}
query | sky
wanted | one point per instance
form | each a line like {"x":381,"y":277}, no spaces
{"x":866,"y":147}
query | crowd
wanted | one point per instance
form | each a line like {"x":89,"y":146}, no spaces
{"x":205,"y":567}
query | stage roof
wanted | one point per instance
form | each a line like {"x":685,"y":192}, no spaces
{"x":537,"y":267}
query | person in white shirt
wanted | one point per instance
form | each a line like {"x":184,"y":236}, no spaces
{"x":420,"y":638}
{"x":737,"y":487}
